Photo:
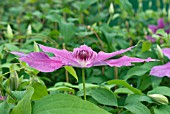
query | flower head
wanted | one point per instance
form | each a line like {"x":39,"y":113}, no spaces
{"x":162,"y":70}
{"x":83,"y":57}
{"x":161,"y":25}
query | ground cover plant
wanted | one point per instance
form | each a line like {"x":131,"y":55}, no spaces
{"x":84,"y":56}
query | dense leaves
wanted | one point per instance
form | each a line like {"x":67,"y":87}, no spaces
{"x":104,"y":26}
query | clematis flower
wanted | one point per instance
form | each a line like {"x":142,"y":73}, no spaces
{"x":83,"y":57}
{"x":154,"y":28}
{"x":162,"y":70}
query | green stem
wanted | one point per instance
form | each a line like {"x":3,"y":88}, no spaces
{"x":116,"y":72}
{"x":83,"y":80}
{"x":110,"y":18}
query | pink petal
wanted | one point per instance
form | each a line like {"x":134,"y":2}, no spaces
{"x":160,"y":71}
{"x":41,"y":62}
{"x":161,"y":23}
{"x":63,"y":55}
{"x":126,"y":61}
{"x":153,"y":28}
{"x":151,"y":38}
{"x":21,"y":54}
{"x":101,"y":56}
{"x":166,"y":52}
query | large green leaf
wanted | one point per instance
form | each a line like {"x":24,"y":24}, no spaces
{"x":67,"y":30}
{"x":39,"y":91}
{"x":4,"y":108}
{"x":125,"y":84}
{"x":104,"y":96}
{"x":71,"y":71}
{"x":65,"y":104}
{"x":140,"y":70}
{"x":126,"y":5}
{"x":134,"y":98}
{"x":162,"y":109}
{"x":137,"y":108}
{"x":160,"y":90}
{"x":24,"y":105}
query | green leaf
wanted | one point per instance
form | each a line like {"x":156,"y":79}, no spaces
{"x":126,"y":5}
{"x":160,"y":90}
{"x":140,"y":70}
{"x":11,"y":47}
{"x":137,"y":108}
{"x":65,"y":104}
{"x":161,"y":32}
{"x":86,"y":4}
{"x":4,"y":108}
{"x":155,"y":81}
{"x":67,"y":30}
{"x":123,"y":90}
{"x":71,"y":71}
{"x":104,"y":96}
{"x":125,"y":84}
{"x":133,"y":98}
{"x":162,"y":109}
{"x":65,"y":89}
{"x":24,"y":105}
{"x":146,"y":45}
{"x":18,"y":94}
{"x":39,"y":91}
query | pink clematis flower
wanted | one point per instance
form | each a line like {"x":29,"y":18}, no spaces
{"x":162,"y":70}
{"x":161,"y":25}
{"x":83,"y":57}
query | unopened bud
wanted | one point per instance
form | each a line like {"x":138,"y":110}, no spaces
{"x":9,"y":32}
{"x":29,"y":30}
{"x":13,"y":78}
{"x":164,"y":11}
{"x":140,"y":4}
{"x":159,"y":52}
{"x":150,"y":4}
{"x":89,"y":27}
{"x":159,"y":98}
{"x":36,"y":48}
{"x":111,"y":9}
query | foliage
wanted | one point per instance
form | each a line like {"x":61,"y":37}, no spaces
{"x":67,"y":24}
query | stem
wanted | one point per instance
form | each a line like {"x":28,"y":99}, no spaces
{"x":66,"y":72}
{"x":100,"y":41}
{"x":116,"y":75}
{"x":83,"y":80}
{"x":103,"y":68}
{"x":110,"y":18}
{"x":116,"y":72}
{"x":67,"y":79}
{"x":12,"y":71}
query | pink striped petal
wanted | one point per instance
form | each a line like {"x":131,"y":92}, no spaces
{"x":126,"y":61}
{"x":65,"y":56}
{"x":41,"y":62}
{"x":166,"y":52}
{"x":161,"y":71}
{"x":21,"y":54}
{"x":161,"y":23}
{"x":103,"y":56}
{"x":153,"y":28}
{"x":151,"y":38}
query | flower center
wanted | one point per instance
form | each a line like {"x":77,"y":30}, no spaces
{"x":83,"y":55}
